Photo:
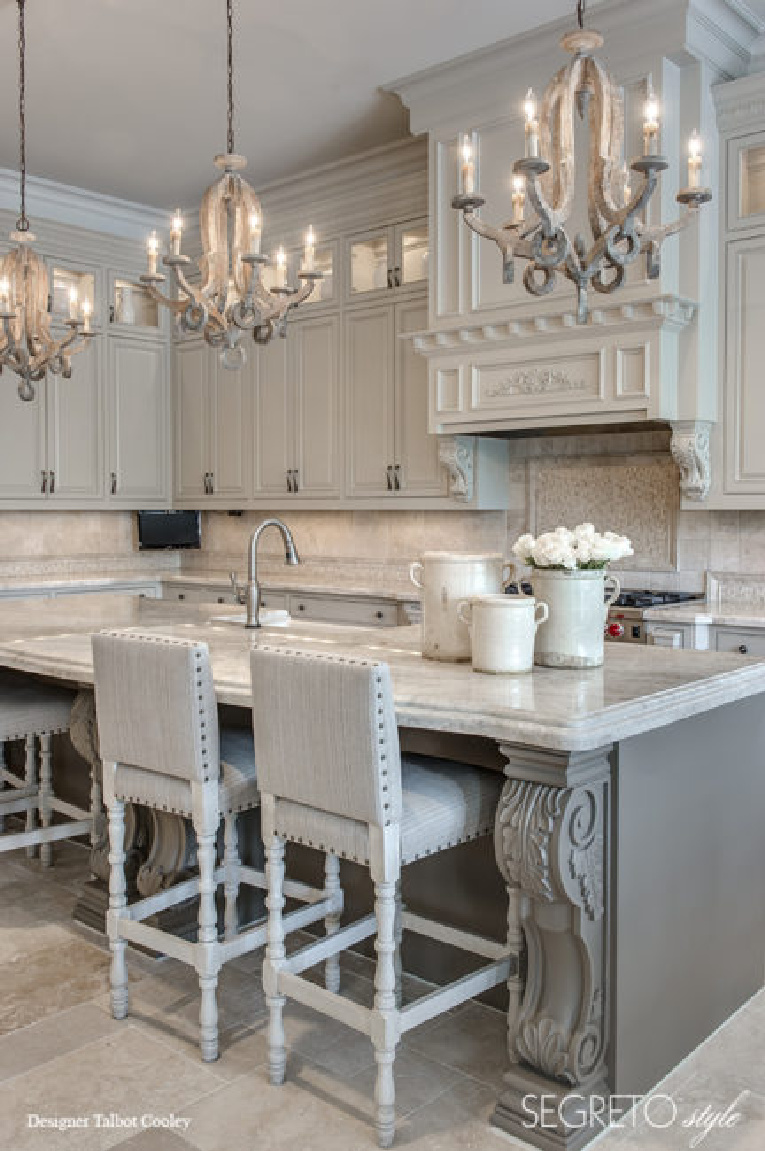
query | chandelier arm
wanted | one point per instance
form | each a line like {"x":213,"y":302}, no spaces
{"x":504,"y":238}
{"x":160,"y":298}
{"x":658,"y":233}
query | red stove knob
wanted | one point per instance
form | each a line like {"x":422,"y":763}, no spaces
{"x":616,"y":630}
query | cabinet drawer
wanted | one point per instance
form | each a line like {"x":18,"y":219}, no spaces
{"x":274,"y":600}
{"x":196,"y":593}
{"x":337,"y":609}
{"x":748,"y":641}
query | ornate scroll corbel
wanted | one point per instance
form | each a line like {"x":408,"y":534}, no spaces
{"x":457,"y":455}
{"x":690,"y":451}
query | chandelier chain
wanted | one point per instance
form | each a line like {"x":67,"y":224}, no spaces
{"x":22,"y":223}
{"x":230,"y":67}
{"x":580,"y":12}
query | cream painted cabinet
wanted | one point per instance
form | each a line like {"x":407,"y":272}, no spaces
{"x":51,"y":447}
{"x":298,"y":427}
{"x":23,"y":458}
{"x":213,"y":420}
{"x":390,"y":451}
{"x":75,"y":429}
{"x":137,"y":420}
{"x":744,"y":426}
{"x":386,"y":259}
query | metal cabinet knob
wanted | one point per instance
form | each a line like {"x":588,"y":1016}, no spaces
{"x":743,"y":648}
{"x":301,"y":607}
{"x":181,"y":595}
{"x":380,"y":614}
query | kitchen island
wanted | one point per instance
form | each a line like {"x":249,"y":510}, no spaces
{"x":628,"y":834}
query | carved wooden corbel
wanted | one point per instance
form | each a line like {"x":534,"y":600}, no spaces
{"x":690,"y":451}
{"x":457,"y":455}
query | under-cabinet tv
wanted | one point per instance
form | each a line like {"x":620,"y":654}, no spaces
{"x":169,"y":530}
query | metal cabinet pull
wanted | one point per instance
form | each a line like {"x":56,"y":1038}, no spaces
{"x":390,"y":277}
{"x":52,"y":482}
{"x":44,"y":481}
{"x":295,"y":484}
{"x":397,"y":477}
{"x":389,"y":477}
{"x":114,"y":483}
{"x":212,"y":483}
{"x":112,"y":314}
{"x":743,"y":648}
{"x":396,"y":277}
{"x":289,"y":480}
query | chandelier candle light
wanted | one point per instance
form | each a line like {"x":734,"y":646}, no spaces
{"x":27,"y":345}
{"x":231,"y":298}
{"x":545,"y":177}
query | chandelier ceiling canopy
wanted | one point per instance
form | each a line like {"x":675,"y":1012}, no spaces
{"x":544,"y":179}
{"x":27,"y":345}
{"x":231,"y":298}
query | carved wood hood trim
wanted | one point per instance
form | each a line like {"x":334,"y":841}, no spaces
{"x":668,"y":312}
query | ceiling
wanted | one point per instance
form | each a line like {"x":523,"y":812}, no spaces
{"x":127,"y":97}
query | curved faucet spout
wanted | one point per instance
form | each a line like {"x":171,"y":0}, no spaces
{"x":253,"y":587}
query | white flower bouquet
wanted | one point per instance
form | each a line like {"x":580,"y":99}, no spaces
{"x":582,"y":549}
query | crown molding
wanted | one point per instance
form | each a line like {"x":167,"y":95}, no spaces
{"x":740,"y":103}
{"x":62,"y":203}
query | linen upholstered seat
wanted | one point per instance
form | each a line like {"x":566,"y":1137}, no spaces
{"x":35,"y":713}
{"x":162,"y":747}
{"x":331,"y":775}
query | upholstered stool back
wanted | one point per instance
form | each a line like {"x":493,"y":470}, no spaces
{"x":156,"y":705}
{"x":325,"y":733}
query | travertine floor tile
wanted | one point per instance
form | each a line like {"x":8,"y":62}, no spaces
{"x":156,"y":1140}
{"x":59,"y":1034}
{"x":50,"y":980}
{"x":127,"y":1074}
{"x":472,"y":1040}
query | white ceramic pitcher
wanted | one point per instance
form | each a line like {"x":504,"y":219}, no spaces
{"x":502,"y":631}
{"x":579,"y":603}
{"x":445,"y":579}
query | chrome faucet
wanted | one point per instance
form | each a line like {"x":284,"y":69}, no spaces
{"x":252,"y":600}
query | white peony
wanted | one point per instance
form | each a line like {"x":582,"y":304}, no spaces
{"x":582,"y":548}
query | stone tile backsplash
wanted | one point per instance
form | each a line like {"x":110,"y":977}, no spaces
{"x":622,"y":481}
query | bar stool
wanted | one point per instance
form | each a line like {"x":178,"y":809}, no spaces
{"x":162,"y":748}
{"x":332,"y":776}
{"x":35,"y":712}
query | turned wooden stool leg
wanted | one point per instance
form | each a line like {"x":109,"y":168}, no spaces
{"x":277,"y":1051}
{"x":117,"y":905}
{"x":398,"y":933}
{"x":207,"y":940}
{"x":46,"y":794}
{"x":30,"y":776}
{"x":383,"y":1026}
{"x":231,"y":863}
{"x":332,"y":921}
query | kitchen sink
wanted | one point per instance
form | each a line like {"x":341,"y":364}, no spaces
{"x":275,"y":618}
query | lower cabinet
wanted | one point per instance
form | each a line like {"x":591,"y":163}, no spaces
{"x":137,"y":420}
{"x":745,"y":641}
{"x":361,"y":611}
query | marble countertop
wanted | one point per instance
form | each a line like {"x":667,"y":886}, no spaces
{"x":722,"y":614}
{"x":638,"y":689}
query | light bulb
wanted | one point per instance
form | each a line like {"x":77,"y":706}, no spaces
{"x":309,"y":252}
{"x":530,"y":106}
{"x":73,"y":303}
{"x":176,"y":232}
{"x":695,"y":149}
{"x":651,"y":125}
{"x":87,"y":309}
{"x":256,"y":230}
{"x":519,"y":199}
{"x":281,"y":268}
{"x":532,"y":126}
{"x":467,"y":167}
{"x":5,"y":292}
{"x":152,"y":252}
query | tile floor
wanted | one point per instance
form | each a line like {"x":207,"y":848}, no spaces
{"x":62,"y":1055}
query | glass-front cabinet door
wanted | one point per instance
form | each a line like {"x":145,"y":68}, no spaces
{"x":388,"y":260}
{"x":370,"y":264}
{"x":412,"y":254}
{"x":132,"y":309}
{"x":746,"y":181}
{"x":74,"y":292}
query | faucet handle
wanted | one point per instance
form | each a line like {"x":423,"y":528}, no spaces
{"x":240,"y":590}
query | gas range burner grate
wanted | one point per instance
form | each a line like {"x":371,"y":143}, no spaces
{"x":653,"y":598}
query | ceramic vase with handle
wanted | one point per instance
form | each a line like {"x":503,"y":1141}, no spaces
{"x":445,"y":579}
{"x":579,"y":603}
{"x":502,"y":631}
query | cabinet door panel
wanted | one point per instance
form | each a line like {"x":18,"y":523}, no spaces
{"x":274,"y":433}
{"x":420,"y":472}
{"x":137,"y":414}
{"x":75,"y":428}
{"x":231,"y":396}
{"x":369,"y":390}
{"x":22,"y":441}
{"x":745,"y":343}
{"x":192,"y":403}
{"x":314,"y":350}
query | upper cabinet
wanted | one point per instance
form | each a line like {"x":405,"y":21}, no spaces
{"x":384,"y":260}
{"x":745,"y":183}
{"x":132,"y":311}
{"x":137,"y":404}
{"x":213,"y":426}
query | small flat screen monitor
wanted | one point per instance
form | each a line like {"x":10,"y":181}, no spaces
{"x":169,"y":530}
